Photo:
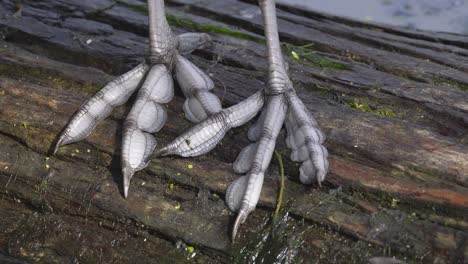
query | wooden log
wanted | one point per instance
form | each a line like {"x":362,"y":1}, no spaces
{"x":392,"y":102}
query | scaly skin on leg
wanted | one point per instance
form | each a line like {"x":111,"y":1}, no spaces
{"x":282,"y":106}
{"x":153,"y":80}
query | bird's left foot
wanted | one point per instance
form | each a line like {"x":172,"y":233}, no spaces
{"x":304,"y":138}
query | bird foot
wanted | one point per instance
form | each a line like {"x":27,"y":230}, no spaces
{"x":304,"y":138}
{"x":154,"y":82}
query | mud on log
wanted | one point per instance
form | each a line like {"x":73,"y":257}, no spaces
{"x":393,"y":102}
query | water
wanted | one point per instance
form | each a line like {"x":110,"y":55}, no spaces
{"x":279,"y":241}
{"x":435,"y":15}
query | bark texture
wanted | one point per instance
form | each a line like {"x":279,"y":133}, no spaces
{"x":392,"y":102}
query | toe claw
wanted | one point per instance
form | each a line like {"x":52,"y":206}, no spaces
{"x":160,"y":153}
{"x":127,"y":175}
{"x":241,"y":217}
{"x":58,"y":145}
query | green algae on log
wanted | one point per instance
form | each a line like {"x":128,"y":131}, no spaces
{"x":397,"y":185}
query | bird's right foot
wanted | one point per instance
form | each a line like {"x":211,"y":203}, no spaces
{"x":154,"y":81}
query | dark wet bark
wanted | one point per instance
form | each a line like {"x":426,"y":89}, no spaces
{"x":393,"y":103}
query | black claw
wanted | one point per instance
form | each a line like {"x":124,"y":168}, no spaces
{"x":58,"y":145}
{"x":158,"y":153}
{"x":161,"y":153}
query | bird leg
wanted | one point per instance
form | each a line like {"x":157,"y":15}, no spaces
{"x":154,"y":81}
{"x":280,"y":106}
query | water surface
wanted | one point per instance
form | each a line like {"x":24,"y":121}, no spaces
{"x":435,"y":15}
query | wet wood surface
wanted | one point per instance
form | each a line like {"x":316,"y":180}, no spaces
{"x":392,"y":102}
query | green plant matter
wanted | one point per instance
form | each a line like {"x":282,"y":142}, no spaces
{"x":280,"y":195}
{"x":356,"y":104}
{"x":306,"y":55}
{"x":190,"y":24}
